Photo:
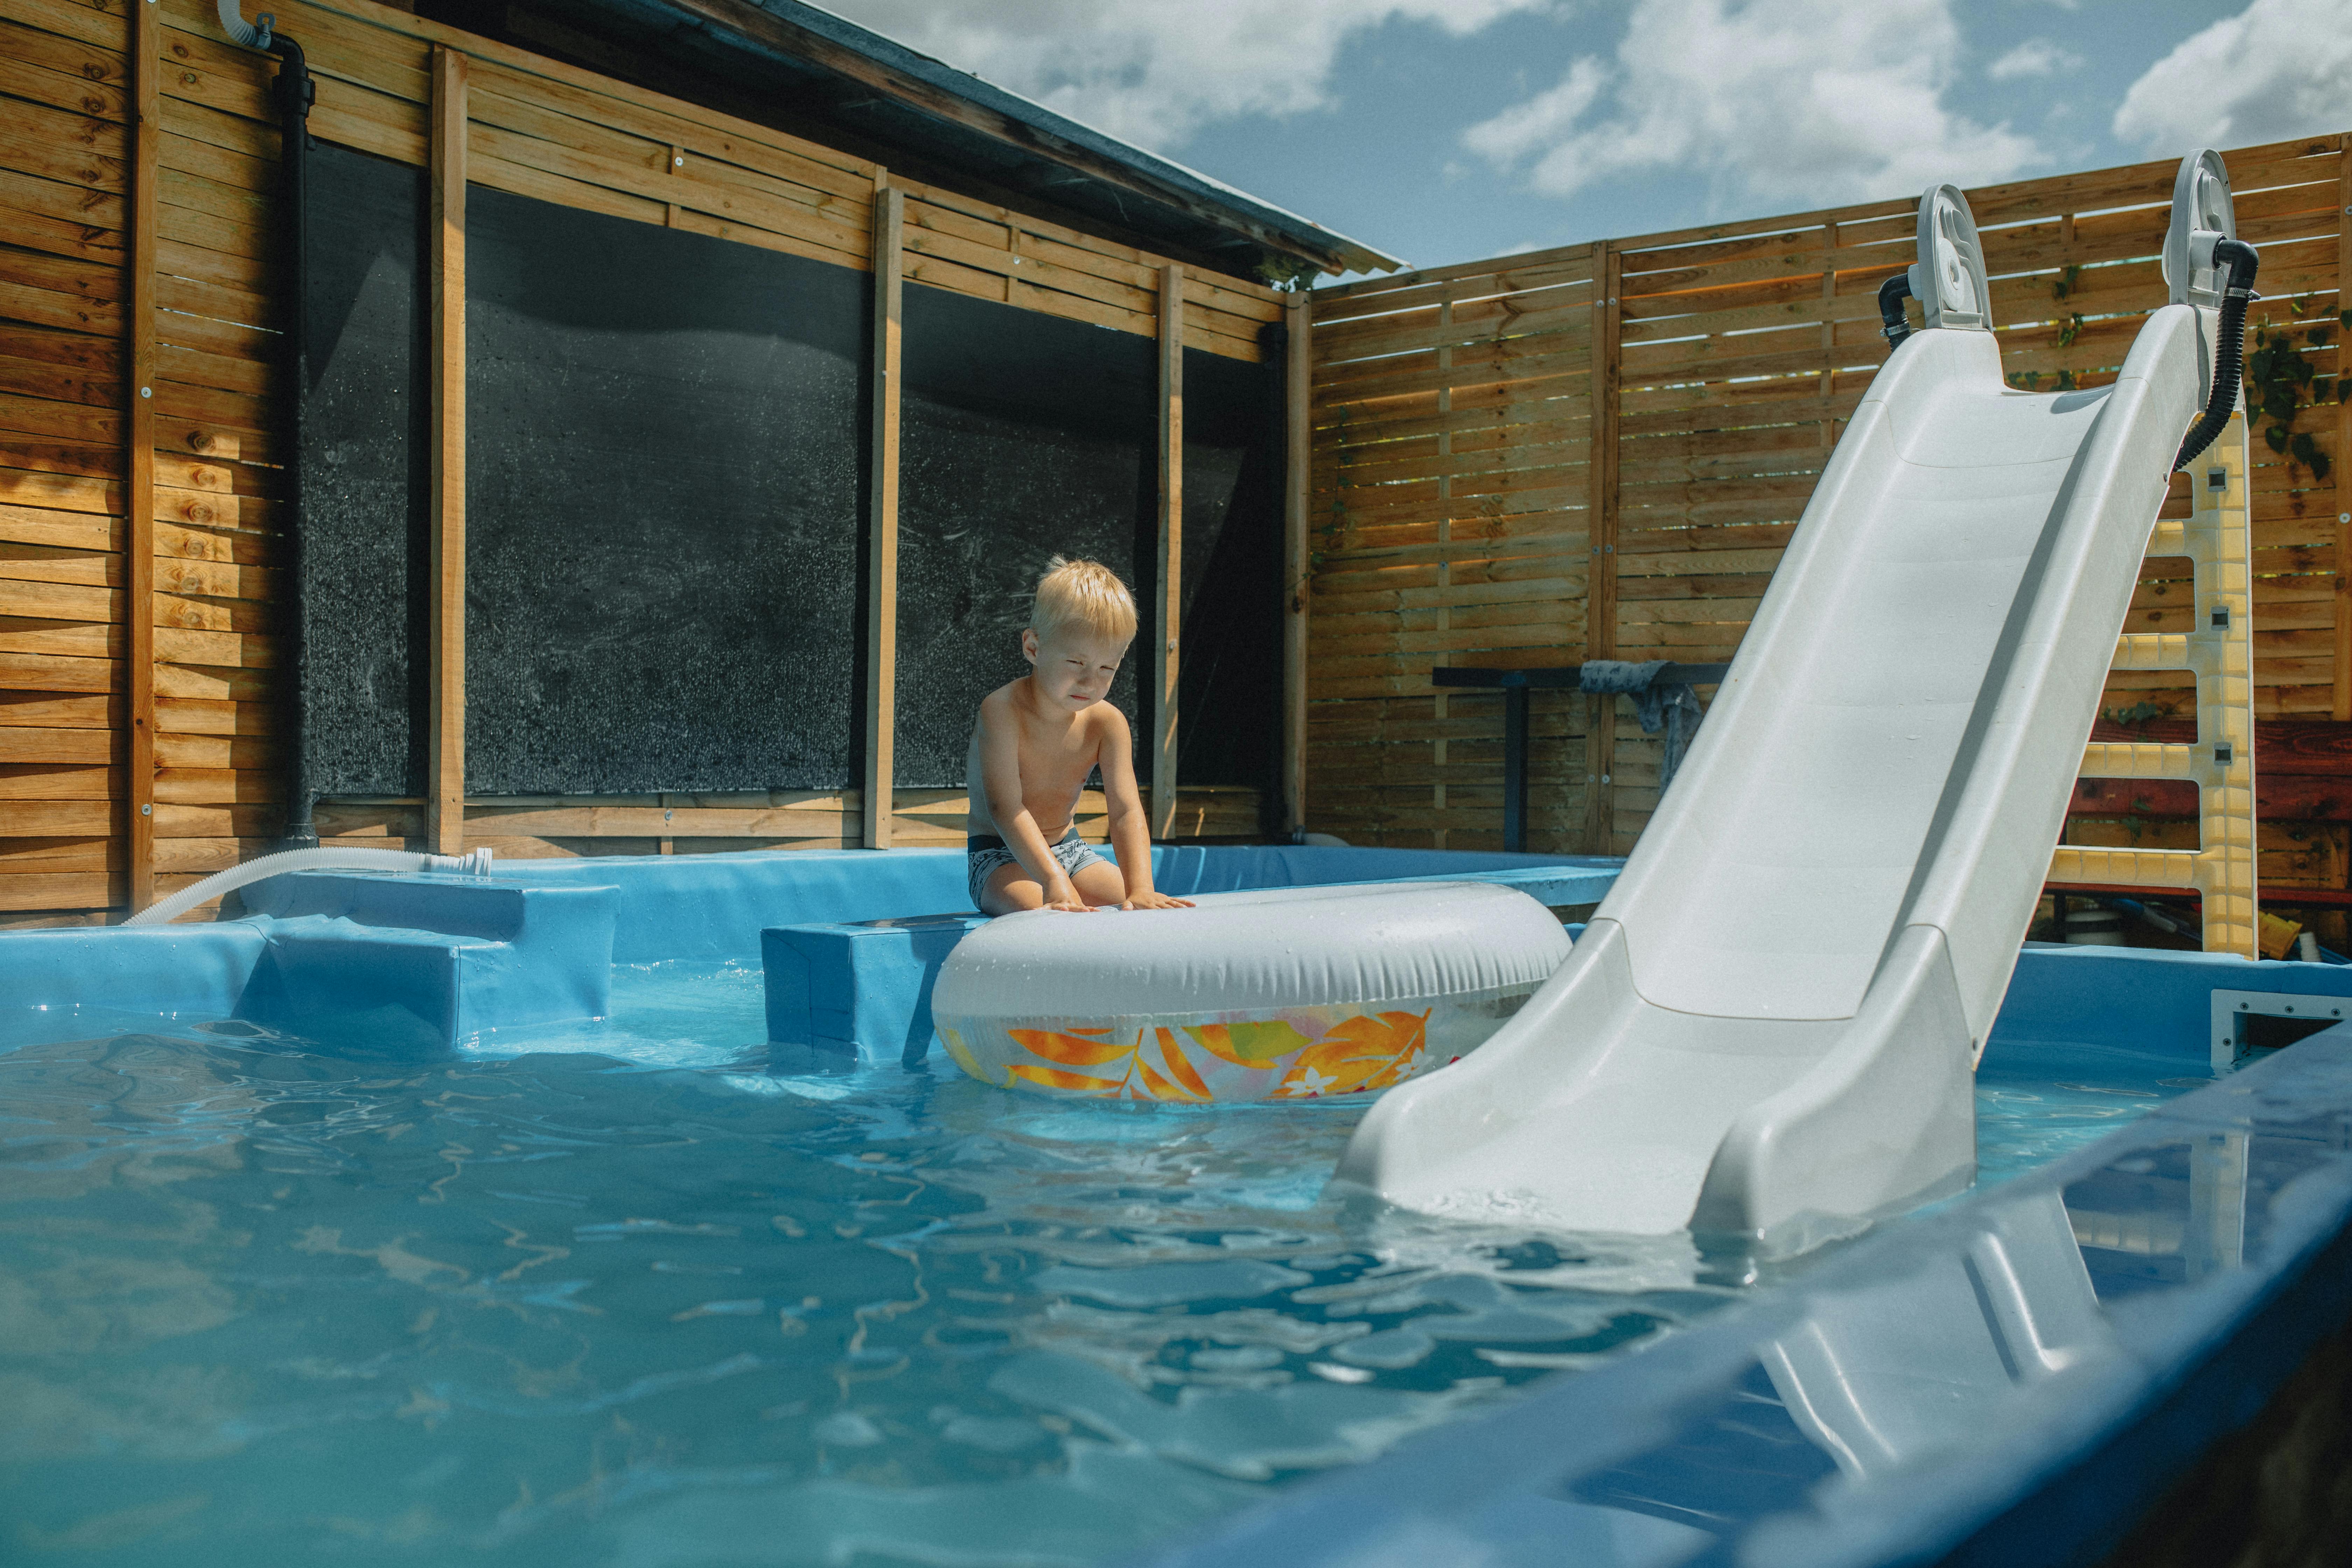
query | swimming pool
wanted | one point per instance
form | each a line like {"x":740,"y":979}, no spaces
{"x":613,"y":1291}
{"x":653,"y":1290}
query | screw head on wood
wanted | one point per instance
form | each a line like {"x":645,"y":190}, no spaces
{"x":146,"y":392}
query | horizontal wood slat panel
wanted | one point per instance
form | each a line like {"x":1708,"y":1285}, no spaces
{"x":1452,"y":424}
{"x":925,"y":815}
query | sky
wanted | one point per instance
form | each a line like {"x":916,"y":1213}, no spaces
{"x":1444,"y":131}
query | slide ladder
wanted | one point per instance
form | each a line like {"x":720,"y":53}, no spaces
{"x":1771,"y":1024}
{"x":2218,"y":652}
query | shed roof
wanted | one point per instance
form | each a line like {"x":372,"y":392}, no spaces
{"x":825,"y":65}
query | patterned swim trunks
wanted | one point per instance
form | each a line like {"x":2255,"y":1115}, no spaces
{"x":984,"y":853}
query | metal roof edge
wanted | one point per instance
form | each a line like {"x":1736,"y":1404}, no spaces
{"x":1260,"y":220}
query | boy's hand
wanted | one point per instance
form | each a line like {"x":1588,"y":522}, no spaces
{"x":1154,"y":901}
{"x":1067,"y":899}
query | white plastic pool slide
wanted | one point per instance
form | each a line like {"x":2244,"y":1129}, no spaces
{"x":1770,"y":1027}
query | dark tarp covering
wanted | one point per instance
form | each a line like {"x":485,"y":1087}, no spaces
{"x":363,"y":594}
{"x":666,"y":467}
{"x":1229,"y":660}
{"x":1024,"y":436}
{"x":664,"y":462}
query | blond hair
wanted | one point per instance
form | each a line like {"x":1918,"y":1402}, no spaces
{"x":1083,"y":594}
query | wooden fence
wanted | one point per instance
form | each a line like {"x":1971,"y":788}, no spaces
{"x":142,"y":428}
{"x":1602,"y":451}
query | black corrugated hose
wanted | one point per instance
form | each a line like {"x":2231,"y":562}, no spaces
{"x":2228,"y":349}
{"x":1891,"y":295}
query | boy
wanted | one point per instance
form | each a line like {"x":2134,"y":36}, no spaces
{"x":1035,"y":741}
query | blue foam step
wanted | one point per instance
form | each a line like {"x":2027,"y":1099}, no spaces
{"x":416,"y":965}
{"x":862,"y":988}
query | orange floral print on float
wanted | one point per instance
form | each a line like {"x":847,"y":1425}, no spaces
{"x":1367,"y":1052}
{"x":1363,"y":1053}
{"x":1089,"y":1048}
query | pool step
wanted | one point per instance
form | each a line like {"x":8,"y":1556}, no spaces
{"x":861,"y":988}
{"x":416,"y":965}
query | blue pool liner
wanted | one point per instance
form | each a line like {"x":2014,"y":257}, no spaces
{"x":1687,"y":1453}
{"x":716,"y":906}
{"x":851,"y":940}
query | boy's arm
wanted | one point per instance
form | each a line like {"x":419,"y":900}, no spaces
{"x":1130,"y":833}
{"x":1000,"y":782}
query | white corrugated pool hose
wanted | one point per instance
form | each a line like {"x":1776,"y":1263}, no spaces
{"x":326,"y":858}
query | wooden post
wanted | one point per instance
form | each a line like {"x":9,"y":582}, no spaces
{"x":445,"y":798}
{"x":1600,"y":589}
{"x":138,"y":486}
{"x":1298,"y":432}
{"x":2343,"y":690}
{"x":1829,"y":332}
{"x":1439,"y":709}
{"x":882,"y":522}
{"x":1170,"y":608}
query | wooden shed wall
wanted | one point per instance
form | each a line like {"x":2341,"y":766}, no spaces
{"x":1602,"y":452}
{"x":79,"y":695}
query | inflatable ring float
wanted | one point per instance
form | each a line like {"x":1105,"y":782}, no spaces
{"x":1279,"y":993}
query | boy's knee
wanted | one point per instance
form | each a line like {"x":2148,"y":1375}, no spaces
{"x":1009,"y":890}
{"x":1100,"y":884}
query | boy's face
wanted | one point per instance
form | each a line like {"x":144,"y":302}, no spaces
{"x":1075,"y":666}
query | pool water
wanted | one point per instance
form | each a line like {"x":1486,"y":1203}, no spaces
{"x":643,"y":1293}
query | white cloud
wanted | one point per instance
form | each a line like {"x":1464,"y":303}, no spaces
{"x":2278,"y":70}
{"x":2036,"y":56}
{"x":1810,"y":103}
{"x":1528,"y":128}
{"x":1154,"y":71}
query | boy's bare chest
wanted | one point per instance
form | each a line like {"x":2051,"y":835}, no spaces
{"x":1057,"y":753}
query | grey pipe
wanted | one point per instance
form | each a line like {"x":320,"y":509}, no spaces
{"x":240,"y":31}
